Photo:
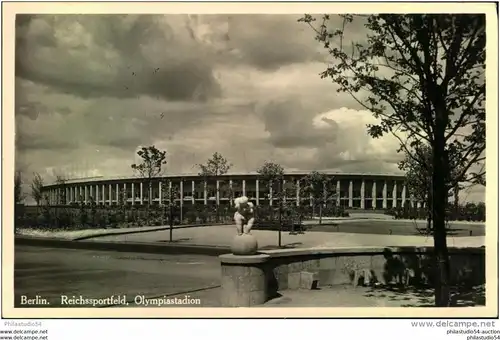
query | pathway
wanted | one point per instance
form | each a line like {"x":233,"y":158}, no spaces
{"x":223,"y":236}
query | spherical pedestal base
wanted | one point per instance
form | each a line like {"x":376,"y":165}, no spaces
{"x":245,"y":244}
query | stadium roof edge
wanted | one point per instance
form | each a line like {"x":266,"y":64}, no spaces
{"x":303,"y":172}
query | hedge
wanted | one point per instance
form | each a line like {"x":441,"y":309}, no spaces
{"x":83,"y":216}
{"x":468,"y":212}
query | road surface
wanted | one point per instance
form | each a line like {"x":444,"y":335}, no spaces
{"x":52,"y":273}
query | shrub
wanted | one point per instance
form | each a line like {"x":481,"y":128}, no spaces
{"x":83,"y":217}
{"x":468,"y":212}
{"x":42,"y":220}
{"x":98,"y":219}
{"x":203,"y":214}
{"x":191,"y":216}
{"x":65,"y":219}
{"x":129,"y":218}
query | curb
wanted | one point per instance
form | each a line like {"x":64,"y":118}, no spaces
{"x":149,"y":230}
{"x":133,"y":247}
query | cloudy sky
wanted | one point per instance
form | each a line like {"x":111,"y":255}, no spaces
{"x":91,"y":89}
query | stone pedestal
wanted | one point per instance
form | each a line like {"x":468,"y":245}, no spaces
{"x":245,"y":244}
{"x":244,"y":280}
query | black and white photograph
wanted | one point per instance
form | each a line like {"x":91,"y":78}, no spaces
{"x":250,"y":160}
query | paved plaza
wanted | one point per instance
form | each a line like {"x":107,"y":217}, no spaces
{"x":52,"y":272}
{"x":223,"y":236}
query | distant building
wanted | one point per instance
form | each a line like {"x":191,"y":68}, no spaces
{"x":353,"y":190}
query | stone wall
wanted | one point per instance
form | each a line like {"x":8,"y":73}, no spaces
{"x":310,"y":268}
{"x":372,"y":266}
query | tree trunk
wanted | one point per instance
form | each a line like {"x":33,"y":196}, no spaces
{"x":429,"y":223}
{"x":150,"y":193}
{"x":439,"y":200}
{"x":429,"y":211}
{"x":320,"y":213}
{"x":456,"y":192}
{"x":280,"y":210}
{"x":150,"y":201}
{"x":171,"y":220}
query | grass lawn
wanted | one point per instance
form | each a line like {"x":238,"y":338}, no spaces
{"x":394,"y":228}
{"x":61,"y":234}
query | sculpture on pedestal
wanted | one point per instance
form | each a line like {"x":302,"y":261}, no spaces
{"x":244,"y":215}
{"x":244,"y":243}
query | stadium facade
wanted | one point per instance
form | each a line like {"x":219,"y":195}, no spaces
{"x":352,"y":190}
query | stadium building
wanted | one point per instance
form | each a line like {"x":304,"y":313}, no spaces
{"x":352,"y":190}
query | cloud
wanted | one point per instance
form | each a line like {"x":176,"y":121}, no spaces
{"x":105,"y":121}
{"x":91,"y":89}
{"x":336,"y":139}
{"x":121,"y":56}
{"x":260,"y":40}
{"x":264,"y":40}
{"x":289,"y":125}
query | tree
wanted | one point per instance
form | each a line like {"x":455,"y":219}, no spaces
{"x":61,"y":189}
{"x":93,"y":212}
{"x":18,"y":188}
{"x":60,"y":197}
{"x":422,"y":77}
{"x":418,"y":174}
{"x":172,"y":193}
{"x":216,"y":166}
{"x":320,"y":187}
{"x":271,"y":175}
{"x":36,"y":188}
{"x":122,"y":199}
{"x":419,"y":178}
{"x":150,"y":167}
